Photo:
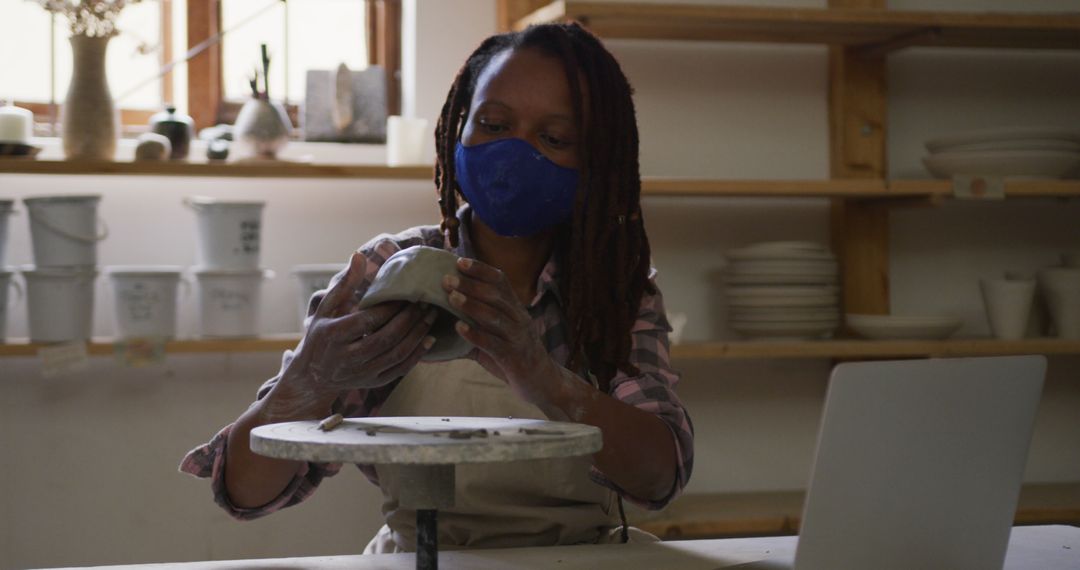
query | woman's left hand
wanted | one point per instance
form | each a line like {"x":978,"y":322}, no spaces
{"x":506,"y":343}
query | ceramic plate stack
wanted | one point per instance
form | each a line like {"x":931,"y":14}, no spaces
{"x":1025,"y":152}
{"x":783,"y":290}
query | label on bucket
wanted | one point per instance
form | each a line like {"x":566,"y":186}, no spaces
{"x":61,"y":359}
{"x":140,"y":351}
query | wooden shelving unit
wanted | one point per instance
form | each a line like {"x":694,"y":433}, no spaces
{"x":852,"y":189}
{"x":871,"y":29}
{"x":747,"y":514}
{"x":260,"y":169}
{"x":873,"y":349}
{"x":733,"y":350}
{"x":861,"y":189}
{"x":106,"y":347}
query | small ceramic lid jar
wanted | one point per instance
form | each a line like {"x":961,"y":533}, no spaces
{"x":177,"y":127}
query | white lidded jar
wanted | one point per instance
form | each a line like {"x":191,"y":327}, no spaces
{"x":230,"y":232}
{"x":7,"y":282}
{"x":60,"y":302}
{"x":64,"y":230}
{"x":145,"y":300}
{"x":229,"y":301}
{"x":311,"y":279}
{"x":6,"y":210}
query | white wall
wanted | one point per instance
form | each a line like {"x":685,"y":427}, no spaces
{"x":87,"y":462}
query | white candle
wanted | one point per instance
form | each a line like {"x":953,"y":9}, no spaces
{"x":16,"y":124}
{"x":405,"y":138}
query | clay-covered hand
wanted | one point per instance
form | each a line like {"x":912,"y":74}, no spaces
{"x":347,"y":348}
{"x":506,"y":343}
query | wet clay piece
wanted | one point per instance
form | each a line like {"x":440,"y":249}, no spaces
{"x":331,"y":422}
{"x":415,"y":275}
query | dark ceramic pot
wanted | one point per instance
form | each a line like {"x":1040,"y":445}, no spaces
{"x":177,"y":127}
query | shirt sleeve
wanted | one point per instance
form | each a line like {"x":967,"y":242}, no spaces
{"x":208,"y":460}
{"x":653,"y":390}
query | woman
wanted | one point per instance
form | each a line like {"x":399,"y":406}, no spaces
{"x":539,"y":137}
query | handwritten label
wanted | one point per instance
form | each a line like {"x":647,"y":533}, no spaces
{"x":140,"y":351}
{"x":62,"y":359}
{"x":968,"y":187}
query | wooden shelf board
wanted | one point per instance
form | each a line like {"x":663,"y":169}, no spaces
{"x":848,"y":349}
{"x":869,"y":189}
{"x":852,"y":27}
{"x":1013,"y":188}
{"x":106,"y":347}
{"x":841,"y":349}
{"x":261,"y":169}
{"x":718,"y":515}
{"x":687,"y":187}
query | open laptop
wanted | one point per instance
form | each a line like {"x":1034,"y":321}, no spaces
{"x":919,"y":465}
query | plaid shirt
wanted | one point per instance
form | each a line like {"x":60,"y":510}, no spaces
{"x":652,"y":390}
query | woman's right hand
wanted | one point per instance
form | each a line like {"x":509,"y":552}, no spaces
{"x":346,"y":348}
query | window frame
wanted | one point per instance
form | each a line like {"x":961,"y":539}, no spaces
{"x":206,"y":102}
{"x":129,"y":116}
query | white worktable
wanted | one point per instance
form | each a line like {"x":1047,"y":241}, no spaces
{"x":1030,"y":548}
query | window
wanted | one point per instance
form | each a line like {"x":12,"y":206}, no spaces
{"x":300,"y":34}
{"x":41,"y":71}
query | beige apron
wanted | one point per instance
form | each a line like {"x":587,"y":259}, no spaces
{"x":497,"y":505}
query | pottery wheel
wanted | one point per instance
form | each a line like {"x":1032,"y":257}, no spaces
{"x":426,"y":440}
{"x":426,"y":450}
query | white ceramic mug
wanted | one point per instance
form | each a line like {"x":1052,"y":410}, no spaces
{"x":1008,"y":306}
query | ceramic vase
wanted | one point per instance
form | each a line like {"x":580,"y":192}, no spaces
{"x":90,"y":122}
{"x":262,"y":128}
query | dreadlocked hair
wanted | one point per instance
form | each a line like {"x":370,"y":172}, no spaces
{"x":603,"y":251}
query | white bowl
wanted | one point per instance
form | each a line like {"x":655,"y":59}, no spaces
{"x":782,"y":302}
{"x":780,"y":253}
{"x":789,"y":247}
{"x":772,"y":291}
{"x":896,"y":327}
{"x":1006,"y":134}
{"x":782,"y":267}
{"x":1003,"y":163}
{"x":782,"y":279}
{"x":785,"y":315}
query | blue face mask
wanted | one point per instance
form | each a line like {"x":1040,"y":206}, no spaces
{"x":514,"y":188}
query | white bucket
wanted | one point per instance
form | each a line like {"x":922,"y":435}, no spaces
{"x":229,"y":301}
{"x":145,"y":300}
{"x":6,"y":282}
{"x":64,"y":230}
{"x":60,"y":302}
{"x":229,"y":232}
{"x":313,"y":278}
{"x":6,"y":209}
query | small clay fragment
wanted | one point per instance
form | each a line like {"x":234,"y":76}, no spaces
{"x":331,"y":422}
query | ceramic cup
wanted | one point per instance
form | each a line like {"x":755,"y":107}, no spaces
{"x":1008,"y":306}
{"x":1061,"y":285}
{"x":1039,"y":318}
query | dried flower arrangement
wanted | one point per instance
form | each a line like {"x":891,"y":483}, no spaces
{"x":91,"y":18}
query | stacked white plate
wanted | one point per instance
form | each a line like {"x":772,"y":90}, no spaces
{"x":1023,"y":152}
{"x":783,"y":290}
